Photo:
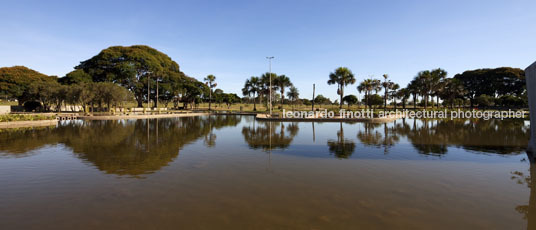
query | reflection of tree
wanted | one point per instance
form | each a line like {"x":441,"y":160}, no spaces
{"x":529,"y":210}
{"x":20,"y":142}
{"x":428,"y":140}
{"x":371,"y":136}
{"x":270,"y":135}
{"x":342,"y":148}
{"x":432,"y":137}
{"x":131,"y":147}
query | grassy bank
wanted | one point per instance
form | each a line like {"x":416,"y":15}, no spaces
{"x":25,"y":117}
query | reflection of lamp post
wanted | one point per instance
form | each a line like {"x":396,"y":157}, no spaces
{"x":270,"y":72}
{"x":156,"y":100}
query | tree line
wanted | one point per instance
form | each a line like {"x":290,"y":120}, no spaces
{"x":113,"y":77}
{"x":257,"y":89}
{"x":141,"y":74}
{"x":500,"y":87}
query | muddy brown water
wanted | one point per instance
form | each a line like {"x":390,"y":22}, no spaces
{"x":232,"y":172}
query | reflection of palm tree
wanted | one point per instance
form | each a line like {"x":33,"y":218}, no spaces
{"x":261,"y":136}
{"x":432,"y":137}
{"x":342,"y":148}
{"x":427,"y":141}
{"x":210,"y":140}
{"x":372,"y":137}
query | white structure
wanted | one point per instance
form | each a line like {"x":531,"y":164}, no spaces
{"x":5,"y":109}
{"x":530,"y":76}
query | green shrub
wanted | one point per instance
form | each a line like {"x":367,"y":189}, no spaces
{"x":25,"y":117}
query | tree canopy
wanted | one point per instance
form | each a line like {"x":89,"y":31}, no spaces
{"x":134,"y":67}
{"x":493,"y":82}
{"x":15,"y":81}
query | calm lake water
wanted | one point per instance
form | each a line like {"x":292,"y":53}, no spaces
{"x":232,"y":172}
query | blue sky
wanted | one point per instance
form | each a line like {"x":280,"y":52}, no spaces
{"x":309,"y":39}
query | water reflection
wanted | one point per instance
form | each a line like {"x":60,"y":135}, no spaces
{"x":21,"y":142}
{"x":371,"y":135}
{"x":270,"y":135}
{"x":477,"y":194}
{"x":432,"y":137}
{"x":131,"y":147}
{"x":342,"y":147}
{"x":528,"y":179}
{"x":135,"y":147}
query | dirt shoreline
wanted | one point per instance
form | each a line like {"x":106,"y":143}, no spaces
{"x":27,"y":124}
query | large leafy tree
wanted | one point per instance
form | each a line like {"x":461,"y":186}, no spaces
{"x":48,"y":93}
{"x":452,"y":90}
{"x":230,"y":99}
{"x":132,"y":67}
{"x":321,"y":100}
{"x":193,"y":91}
{"x":350,"y":100}
{"x":342,"y":76}
{"x":77,"y":76}
{"x":15,"y":81}
{"x":504,"y":81}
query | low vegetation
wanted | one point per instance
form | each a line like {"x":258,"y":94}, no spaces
{"x":25,"y":117}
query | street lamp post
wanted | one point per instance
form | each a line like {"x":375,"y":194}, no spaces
{"x":148,"y":91}
{"x":270,"y":72}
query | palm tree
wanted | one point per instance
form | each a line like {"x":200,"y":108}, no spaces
{"x":438,"y":77}
{"x":426,"y":84}
{"x":387,"y":85}
{"x":394,"y":92}
{"x":293,"y":95}
{"x":252,"y":86}
{"x":413,"y":88}
{"x":210,"y":81}
{"x":404,"y":95}
{"x":265,"y":85}
{"x":367,"y":86}
{"x":342,"y":77}
{"x":282,"y":82}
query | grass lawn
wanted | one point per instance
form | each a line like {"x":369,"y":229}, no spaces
{"x":25,"y":117}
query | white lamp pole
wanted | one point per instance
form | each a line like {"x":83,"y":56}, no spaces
{"x":270,"y":72}
{"x":148,"y":91}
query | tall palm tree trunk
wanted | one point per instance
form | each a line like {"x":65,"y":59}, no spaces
{"x":209,"y":99}
{"x":415,"y":101}
{"x":366,"y":100}
{"x":341,"y":94}
{"x":385,"y":101}
{"x":254,"y":103}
